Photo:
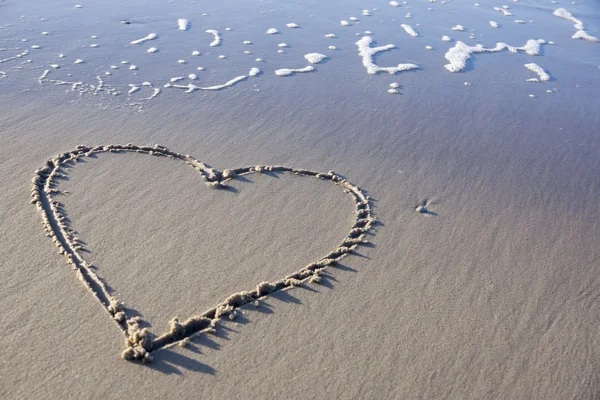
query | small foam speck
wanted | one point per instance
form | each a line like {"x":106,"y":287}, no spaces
{"x":315,"y":58}
{"x":291,"y":25}
{"x":394,"y":4}
{"x":78,"y":61}
{"x":409,"y":29}
{"x":290,"y":71}
{"x":459,"y":28}
{"x":217,"y":37}
{"x":272,"y":31}
{"x":344,"y":23}
{"x":183,"y":24}
{"x":446,"y":38}
{"x":151,"y":36}
{"x":152,"y":50}
{"x":493,"y":24}
{"x":330,"y":35}
{"x":195,"y":53}
{"x":254,"y":72}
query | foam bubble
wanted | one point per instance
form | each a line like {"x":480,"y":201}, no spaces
{"x":519,"y":21}
{"x":195,"y":53}
{"x":78,"y":61}
{"x":151,"y":36}
{"x":254,"y":72}
{"x":459,"y":28}
{"x":392,"y":91}
{"x":394,"y":4}
{"x":493,"y":24}
{"x":183,"y":24}
{"x":290,"y":71}
{"x":35,"y":47}
{"x":367,"y":52}
{"x":332,"y":48}
{"x":394,"y":85}
{"x":428,"y":48}
{"x":533,"y":67}
{"x":152,"y":50}
{"x":315,"y":58}
{"x":272,"y":31}
{"x":503,"y":11}
{"x":133,"y":67}
{"x":181,"y":61}
{"x":446,"y":38}
{"x":193,"y":77}
{"x":291,"y":25}
{"x":409,"y":30}
{"x":344,"y":23}
{"x":282,"y":45}
{"x":217,"y":37}
{"x":247,"y":42}
{"x":330,"y":35}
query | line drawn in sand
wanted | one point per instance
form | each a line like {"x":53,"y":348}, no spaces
{"x":140,"y":343}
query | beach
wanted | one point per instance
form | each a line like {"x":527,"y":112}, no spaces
{"x":476,"y":272}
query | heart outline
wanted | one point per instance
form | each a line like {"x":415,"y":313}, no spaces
{"x":139,"y":343}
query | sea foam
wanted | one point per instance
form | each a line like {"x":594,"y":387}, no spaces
{"x":367,"y":52}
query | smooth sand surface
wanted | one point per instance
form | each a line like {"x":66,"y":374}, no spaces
{"x":492,"y":294}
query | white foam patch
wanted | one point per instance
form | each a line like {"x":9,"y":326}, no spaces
{"x":409,"y":29}
{"x":584,"y":35}
{"x":544,"y":76}
{"x":193,"y":77}
{"x":291,"y":25}
{"x":152,"y":50}
{"x":459,"y":28}
{"x":460,"y":53}
{"x":446,"y":38}
{"x":254,"y":72}
{"x":290,"y":71}
{"x":394,"y":4}
{"x":15,"y":57}
{"x":217,"y":37}
{"x":151,"y":36}
{"x":367,"y":52}
{"x":272,"y":31}
{"x":282,"y":45}
{"x":578,"y":24}
{"x":493,"y":24}
{"x":195,"y":53}
{"x":78,"y":61}
{"x":330,"y":36}
{"x":503,"y":11}
{"x":190,"y":87}
{"x":519,"y":21}
{"x":344,"y":23}
{"x":315,"y":58}
{"x":183,"y":24}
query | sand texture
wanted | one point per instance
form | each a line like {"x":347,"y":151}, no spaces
{"x":379,"y":227}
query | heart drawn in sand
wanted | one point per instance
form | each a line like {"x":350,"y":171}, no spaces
{"x":140,"y":342}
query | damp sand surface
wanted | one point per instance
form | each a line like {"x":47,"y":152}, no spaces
{"x":488,"y":291}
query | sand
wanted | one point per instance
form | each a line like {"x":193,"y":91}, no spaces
{"x":490,"y":293}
